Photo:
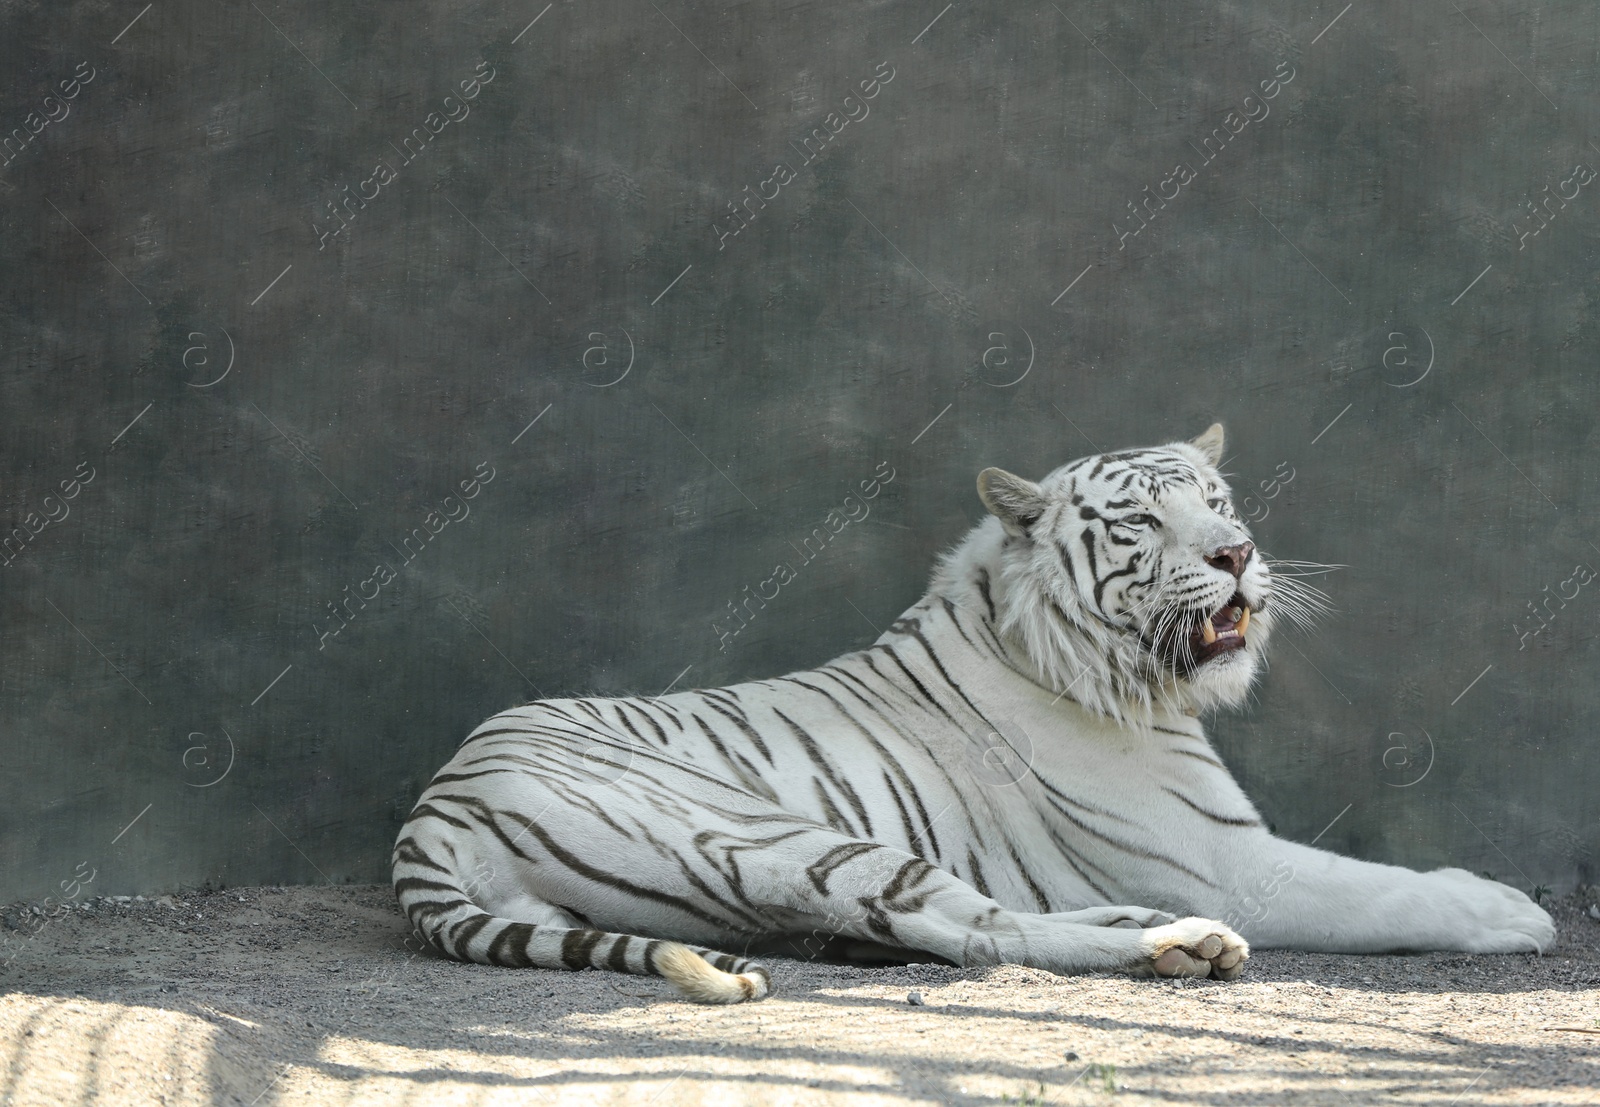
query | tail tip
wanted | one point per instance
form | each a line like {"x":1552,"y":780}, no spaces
{"x":703,"y":982}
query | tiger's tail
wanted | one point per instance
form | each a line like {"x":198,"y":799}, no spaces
{"x":444,"y":915}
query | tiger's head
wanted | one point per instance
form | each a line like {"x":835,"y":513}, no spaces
{"x":1129,"y":580}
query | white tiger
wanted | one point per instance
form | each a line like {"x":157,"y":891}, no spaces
{"x":1016,"y":758}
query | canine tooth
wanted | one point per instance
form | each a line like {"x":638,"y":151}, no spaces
{"x":1244,"y":621}
{"x":1208,"y":632}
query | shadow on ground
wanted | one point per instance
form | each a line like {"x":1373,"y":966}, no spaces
{"x":276,"y":996}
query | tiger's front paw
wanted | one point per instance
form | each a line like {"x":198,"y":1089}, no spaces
{"x":1193,"y":947}
{"x":1496,"y":917}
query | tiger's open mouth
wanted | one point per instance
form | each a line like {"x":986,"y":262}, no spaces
{"x":1222,"y":632}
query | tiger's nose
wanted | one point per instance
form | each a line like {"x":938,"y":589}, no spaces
{"x":1232,"y":559}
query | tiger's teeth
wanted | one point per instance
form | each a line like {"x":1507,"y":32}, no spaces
{"x":1208,"y":632}
{"x":1244,"y":622}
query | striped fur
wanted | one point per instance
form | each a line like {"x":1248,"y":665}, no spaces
{"x":1018,"y":755}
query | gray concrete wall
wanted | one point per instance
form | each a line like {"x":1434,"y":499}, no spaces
{"x":261,"y":401}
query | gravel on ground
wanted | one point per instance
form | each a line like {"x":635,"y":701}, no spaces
{"x":260,"y":996}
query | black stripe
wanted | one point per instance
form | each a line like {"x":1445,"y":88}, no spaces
{"x":426,"y":908}
{"x":996,"y":647}
{"x":832,"y":670}
{"x":749,"y":919}
{"x":622,"y":717}
{"x":719,"y":848}
{"x":577,"y":795}
{"x":978,"y":881}
{"x":671,"y":713}
{"x":502,"y":731}
{"x":1089,"y":807}
{"x":906,"y":879}
{"x":948,"y":679}
{"x":983,"y":590}
{"x":661,"y":734}
{"x":571,"y":860}
{"x":927,"y":696}
{"x":617,"y":959}
{"x":1128,"y":847}
{"x":577,"y":946}
{"x":1087,"y":538}
{"x":411,"y":883}
{"x":1072,"y":857}
{"x":409,"y":850}
{"x":1038,"y":893}
{"x":1067,"y":562}
{"x":830,"y":810}
{"x":741,"y":721}
{"x":428,"y":810}
{"x":472,"y":803}
{"x":753,"y":779}
{"x":843,"y":787}
{"x":1223,"y":819}
{"x":462,"y":933}
{"x":881,"y":750}
{"x":555,"y":708}
{"x":510,"y":946}
{"x":705,"y":728}
{"x":950,"y":610}
{"x":1212,"y":761}
{"x":824,"y":866}
{"x":540,"y":767}
{"x":1100,"y":585}
{"x":451,"y":778}
{"x":905,"y":816}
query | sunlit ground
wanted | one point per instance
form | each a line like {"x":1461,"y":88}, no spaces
{"x":249,"y":1002}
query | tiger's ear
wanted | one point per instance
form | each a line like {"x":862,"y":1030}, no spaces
{"x":1210,"y":444}
{"x":1016,"y":502}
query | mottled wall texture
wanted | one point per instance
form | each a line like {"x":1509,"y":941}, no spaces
{"x":368,"y":368}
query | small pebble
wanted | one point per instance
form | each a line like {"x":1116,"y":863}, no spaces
{"x":915,"y":999}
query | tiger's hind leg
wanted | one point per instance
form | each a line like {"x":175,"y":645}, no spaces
{"x":852,"y":889}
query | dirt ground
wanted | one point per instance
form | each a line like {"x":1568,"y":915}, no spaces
{"x":311,"y":995}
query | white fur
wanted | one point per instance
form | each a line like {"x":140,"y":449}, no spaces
{"x":1059,"y":771}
